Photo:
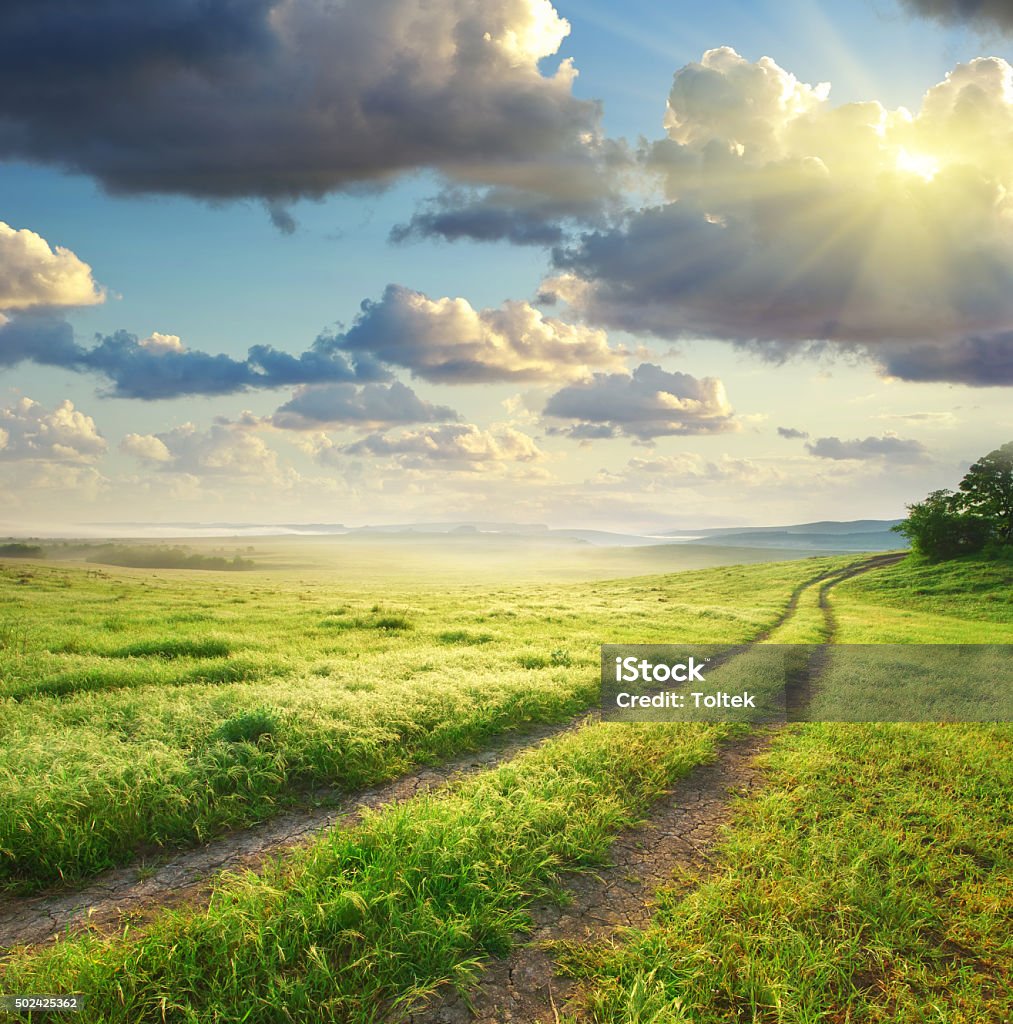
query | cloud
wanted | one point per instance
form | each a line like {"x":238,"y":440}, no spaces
{"x":32,"y":274}
{"x":374,"y":405}
{"x":228,"y":450}
{"x":979,"y":12}
{"x":160,"y":366}
{"x":938,"y":419}
{"x":495,"y":216}
{"x":321,"y":363}
{"x":535,"y":208}
{"x":889,"y":448}
{"x":146,"y":447}
{"x":28,"y":431}
{"x":791,"y":434}
{"x":459,"y":447}
{"x":687,"y":469}
{"x":144,"y":371}
{"x":444,"y":340}
{"x":449,"y":341}
{"x":40,"y":337}
{"x":161,"y":343}
{"x":287,"y":98}
{"x":646,"y":404}
{"x":789,"y":221}
{"x":977,"y":361}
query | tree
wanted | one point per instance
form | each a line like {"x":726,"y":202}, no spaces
{"x":948,"y":524}
{"x":938,"y":528}
{"x":987,"y":491}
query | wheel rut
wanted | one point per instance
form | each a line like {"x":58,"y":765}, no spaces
{"x":136,"y":892}
{"x":133,"y":893}
{"x":678,"y":840}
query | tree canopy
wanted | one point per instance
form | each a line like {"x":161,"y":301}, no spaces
{"x":987,"y":491}
{"x":948,"y":524}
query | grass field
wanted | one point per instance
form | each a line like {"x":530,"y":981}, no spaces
{"x":868,"y":882}
{"x":159,"y":709}
{"x":871,"y":881}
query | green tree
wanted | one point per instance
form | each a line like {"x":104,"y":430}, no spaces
{"x":938,"y":528}
{"x":987,"y":492}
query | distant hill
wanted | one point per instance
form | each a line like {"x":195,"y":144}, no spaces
{"x":826,"y":526}
{"x":825,"y":536}
{"x":857,"y":535}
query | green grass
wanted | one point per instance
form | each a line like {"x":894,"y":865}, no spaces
{"x":173,"y":647}
{"x":969,"y":600}
{"x":111,"y":736}
{"x":374,"y":918}
{"x":869,"y":882}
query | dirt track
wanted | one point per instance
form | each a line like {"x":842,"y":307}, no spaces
{"x":136,"y":892}
{"x":680,"y":836}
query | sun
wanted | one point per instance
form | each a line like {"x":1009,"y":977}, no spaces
{"x":922,"y":165}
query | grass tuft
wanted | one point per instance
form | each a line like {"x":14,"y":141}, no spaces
{"x":173,"y":647}
{"x":249,"y":727}
{"x":462,"y":636}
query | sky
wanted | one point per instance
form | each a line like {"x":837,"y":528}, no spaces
{"x":631,"y":267}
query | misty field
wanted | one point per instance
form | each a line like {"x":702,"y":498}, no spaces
{"x":145,"y":712}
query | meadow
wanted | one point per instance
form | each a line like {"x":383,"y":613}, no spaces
{"x":158,"y":709}
{"x":871,"y":880}
{"x":868,"y":881}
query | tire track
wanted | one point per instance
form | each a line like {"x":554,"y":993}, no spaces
{"x":136,"y":892}
{"x":680,"y":836}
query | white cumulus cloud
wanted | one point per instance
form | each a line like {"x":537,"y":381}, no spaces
{"x":29,"y":431}
{"x":34,"y":274}
{"x":447,"y":340}
{"x":647,"y":403}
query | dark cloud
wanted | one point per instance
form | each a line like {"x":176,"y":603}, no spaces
{"x":485,"y":218}
{"x":145,"y":371}
{"x":40,"y":337}
{"x":322,"y":362}
{"x":646,"y":404}
{"x":449,"y":341}
{"x":281,"y":217}
{"x":287,"y":98}
{"x":981,"y":12}
{"x":551,"y":198}
{"x":316,"y":407}
{"x":893,"y":449}
{"x":137,"y":372}
{"x":979,"y":362}
{"x":792,"y":434}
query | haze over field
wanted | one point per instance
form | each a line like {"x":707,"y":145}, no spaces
{"x":636,"y":270}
